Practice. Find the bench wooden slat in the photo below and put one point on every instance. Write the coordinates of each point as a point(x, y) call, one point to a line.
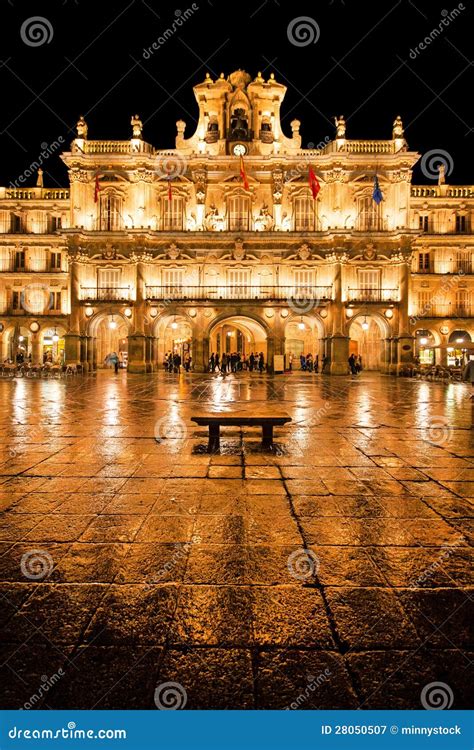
point(225, 419)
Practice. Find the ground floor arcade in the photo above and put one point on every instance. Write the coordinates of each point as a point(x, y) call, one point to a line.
point(142, 339)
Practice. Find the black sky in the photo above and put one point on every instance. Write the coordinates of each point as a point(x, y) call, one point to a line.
point(360, 66)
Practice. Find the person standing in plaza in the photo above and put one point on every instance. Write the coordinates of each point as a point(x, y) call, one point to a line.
point(224, 364)
point(251, 361)
point(468, 374)
point(261, 362)
point(352, 365)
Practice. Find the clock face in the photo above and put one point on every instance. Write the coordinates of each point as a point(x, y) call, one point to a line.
point(239, 149)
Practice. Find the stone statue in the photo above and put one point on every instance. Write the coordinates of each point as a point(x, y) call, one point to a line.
point(191, 223)
point(213, 222)
point(286, 223)
point(264, 221)
point(137, 126)
point(397, 131)
point(81, 128)
point(340, 126)
point(441, 174)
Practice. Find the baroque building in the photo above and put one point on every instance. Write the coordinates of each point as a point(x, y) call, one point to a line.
point(219, 245)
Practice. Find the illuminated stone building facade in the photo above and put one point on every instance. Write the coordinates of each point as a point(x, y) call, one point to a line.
point(152, 250)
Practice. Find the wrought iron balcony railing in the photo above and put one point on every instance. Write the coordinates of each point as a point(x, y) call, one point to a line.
point(105, 294)
point(365, 294)
point(446, 310)
point(320, 294)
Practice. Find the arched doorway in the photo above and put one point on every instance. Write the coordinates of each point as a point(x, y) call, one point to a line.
point(366, 340)
point(110, 334)
point(175, 336)
point(238, 334)
point(457, 353)
point(425, 343)
point(303, 336)
point(17, 344)
point(53, 345)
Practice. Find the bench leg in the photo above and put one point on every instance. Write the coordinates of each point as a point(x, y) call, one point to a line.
point(214, 436)
point(267, 436)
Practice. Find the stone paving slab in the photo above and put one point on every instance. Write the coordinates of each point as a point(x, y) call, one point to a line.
point(335, 572)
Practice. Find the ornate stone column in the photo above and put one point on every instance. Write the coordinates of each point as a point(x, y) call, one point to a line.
point(36, 349)
point(339, 344)
point(72, 339)
point(137, 345)
point(405, 339)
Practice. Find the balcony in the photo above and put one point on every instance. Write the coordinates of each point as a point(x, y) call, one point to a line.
point(446, 310)
point(372, 295)
point(105, 294)
point(320, 294)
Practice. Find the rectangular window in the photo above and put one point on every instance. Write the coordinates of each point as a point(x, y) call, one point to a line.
point(369, 215)
point(238, 283)
point(463, 262)
point(173, 282)
point(304, 214)
point(55, 261)
point(423, 262)
point(54, 223)
point(15, 224)
point(19, 260)
point(16, 300)
point(423, 223)
point(424, 303)
point(110, 217)
point(463, 302)
point(55, 301)
point(369, 284)
point(461, 223)
point(239, 214)
point(173, 214)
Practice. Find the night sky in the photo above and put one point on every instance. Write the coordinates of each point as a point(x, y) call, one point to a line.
point(359, 65)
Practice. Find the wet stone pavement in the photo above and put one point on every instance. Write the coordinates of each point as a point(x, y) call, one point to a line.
point(331, 573)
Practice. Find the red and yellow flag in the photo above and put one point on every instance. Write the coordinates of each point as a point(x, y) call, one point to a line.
point(242, 173)
point(96, 188)
point(313, 183)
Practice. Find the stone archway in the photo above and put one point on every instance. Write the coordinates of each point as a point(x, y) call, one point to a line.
point(241, 334)
point(173, 334)
point(107, 332)
point(304, 335)
point(368, 336)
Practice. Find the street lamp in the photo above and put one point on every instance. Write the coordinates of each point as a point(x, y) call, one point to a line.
point(365, 325)
point(55, 336)
point(112, 324)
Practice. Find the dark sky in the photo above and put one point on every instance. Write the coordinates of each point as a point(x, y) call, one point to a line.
point(360, 66)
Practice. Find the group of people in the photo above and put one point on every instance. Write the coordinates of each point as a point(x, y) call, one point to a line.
point(236, 362)
point(355, 364)
point(113, 360)
point(173, 361)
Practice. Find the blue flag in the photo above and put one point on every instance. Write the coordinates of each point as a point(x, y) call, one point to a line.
point(377, 193)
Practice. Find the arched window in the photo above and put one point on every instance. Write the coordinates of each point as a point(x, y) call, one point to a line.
point(304, 214)
point(110, 217)
point(238, 213)
point(173, 214)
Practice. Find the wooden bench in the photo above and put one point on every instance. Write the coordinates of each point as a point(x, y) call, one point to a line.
point(227, 419)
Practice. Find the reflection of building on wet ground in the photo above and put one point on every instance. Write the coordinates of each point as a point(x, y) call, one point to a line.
point(149, 251)
point(241, 576)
